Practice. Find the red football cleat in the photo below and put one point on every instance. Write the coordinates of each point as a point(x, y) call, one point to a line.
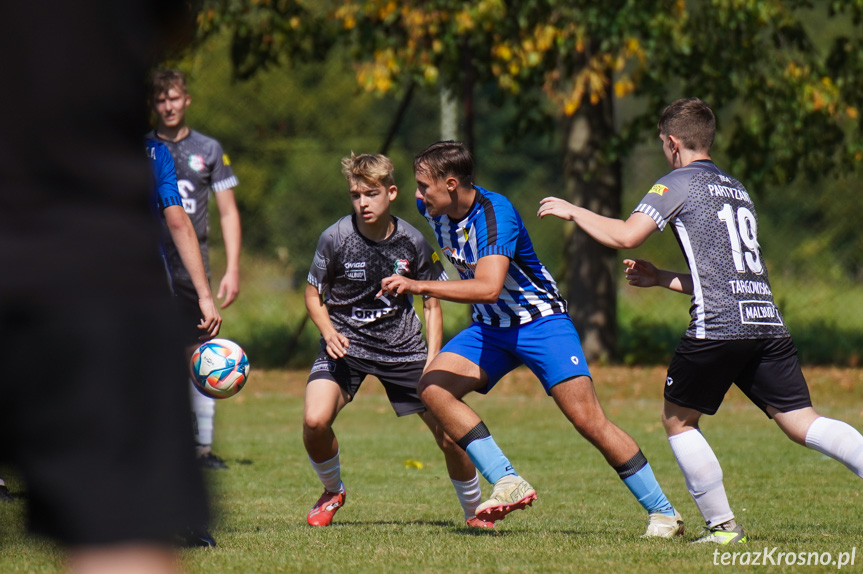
point(325, 508)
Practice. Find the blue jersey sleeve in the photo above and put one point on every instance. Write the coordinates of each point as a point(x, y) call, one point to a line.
point(165, 188)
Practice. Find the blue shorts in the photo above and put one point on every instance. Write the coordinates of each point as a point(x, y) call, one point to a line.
point(549, 346)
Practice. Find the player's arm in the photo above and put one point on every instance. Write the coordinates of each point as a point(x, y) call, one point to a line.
point(485, 287)
point(184, 238)
point(336, 342)
point(641, 273)
point(433, 315)
point(613, 233)
point(229, 216)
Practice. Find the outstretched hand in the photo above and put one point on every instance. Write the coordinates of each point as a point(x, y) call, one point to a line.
point(641, 273)
point(556, 207)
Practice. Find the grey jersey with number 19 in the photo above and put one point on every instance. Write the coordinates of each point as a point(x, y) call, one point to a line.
point(714, 220)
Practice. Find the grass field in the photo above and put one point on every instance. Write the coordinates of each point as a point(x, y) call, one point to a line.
point(400, 518)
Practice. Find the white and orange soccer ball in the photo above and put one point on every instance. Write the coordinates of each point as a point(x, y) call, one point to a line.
point(220, 368)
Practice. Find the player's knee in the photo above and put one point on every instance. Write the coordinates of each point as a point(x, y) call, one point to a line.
point(315, 424)
point(427, 386)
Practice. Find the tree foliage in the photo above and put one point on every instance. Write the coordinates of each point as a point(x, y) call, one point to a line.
point(782, 75)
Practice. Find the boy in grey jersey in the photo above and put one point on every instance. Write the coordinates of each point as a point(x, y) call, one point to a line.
point(202, 166)
point(736, 333)
point(363, 334)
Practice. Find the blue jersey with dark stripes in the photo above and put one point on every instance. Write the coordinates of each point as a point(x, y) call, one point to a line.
point(494, 227)
point(164, 174)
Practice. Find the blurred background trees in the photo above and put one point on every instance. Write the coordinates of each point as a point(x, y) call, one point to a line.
point(555, 98)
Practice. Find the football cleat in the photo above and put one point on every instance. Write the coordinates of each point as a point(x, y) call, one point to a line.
point(664, 526)
point(510, 493)
point(211, 461)
point(722, 535)
point(479, 523)
point(325, 508)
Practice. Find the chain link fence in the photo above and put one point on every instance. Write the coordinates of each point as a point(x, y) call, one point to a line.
point(287, 129)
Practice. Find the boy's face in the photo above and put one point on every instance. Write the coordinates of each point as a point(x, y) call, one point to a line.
point(372, 201)
point(171, 107)
point(437, 195)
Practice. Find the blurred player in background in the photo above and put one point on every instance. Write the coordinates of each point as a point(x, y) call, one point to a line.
point(92, 414)
point(519, 318)
point(736, 334)
point(202, 166)
point(364, 334)
point(181, 235)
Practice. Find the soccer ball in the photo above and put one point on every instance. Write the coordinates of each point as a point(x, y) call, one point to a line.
point(220, 368)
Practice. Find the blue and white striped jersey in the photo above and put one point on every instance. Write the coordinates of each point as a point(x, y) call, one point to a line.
point(494, 227)
point(164, 175)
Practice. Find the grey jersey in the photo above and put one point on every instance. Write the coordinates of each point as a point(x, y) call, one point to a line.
point(201, 166)
point(714, 221)
point(348, 269)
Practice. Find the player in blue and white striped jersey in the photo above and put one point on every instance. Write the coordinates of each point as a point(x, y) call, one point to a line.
point(519, 318)
point(179, 232)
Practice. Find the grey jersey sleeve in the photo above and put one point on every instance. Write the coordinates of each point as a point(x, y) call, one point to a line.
point(429, 267)
point(664, 200)
point(221, 175)
point(322, 270)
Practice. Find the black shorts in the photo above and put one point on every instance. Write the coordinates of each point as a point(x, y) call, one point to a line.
point(95, 417)
point(766, 370)
point(400, 380)
point(186, 301)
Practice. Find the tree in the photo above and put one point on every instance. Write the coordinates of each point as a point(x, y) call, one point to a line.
point(787, 95)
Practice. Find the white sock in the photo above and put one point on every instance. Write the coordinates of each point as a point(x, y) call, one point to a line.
point(203, 411)
point(703, 476)
point(469, 495)
point(330, 473)
point(839, 441)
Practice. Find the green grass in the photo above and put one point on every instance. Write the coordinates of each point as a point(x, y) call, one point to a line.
point(403, 519)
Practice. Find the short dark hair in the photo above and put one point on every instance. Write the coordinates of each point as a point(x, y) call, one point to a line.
point(164, 79)
point(691, 120)
point(446, 158)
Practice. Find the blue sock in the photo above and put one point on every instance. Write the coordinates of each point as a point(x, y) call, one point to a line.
point(488, 459)
point(639, 479)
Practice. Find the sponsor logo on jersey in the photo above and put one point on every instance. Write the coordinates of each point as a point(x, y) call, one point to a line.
point(196, 162)
point(435, 258)
point(369, 315)
point(458, 262)
point(574, 360)
point(186, 189)
point(355, 270)
point(225, 159)
point(669, 381)
point(401, 267)
point(320, 261)
point(658, 189)
point(759, 313)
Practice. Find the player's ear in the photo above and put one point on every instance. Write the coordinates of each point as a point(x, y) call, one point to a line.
point(451, 184)
point(392, 192)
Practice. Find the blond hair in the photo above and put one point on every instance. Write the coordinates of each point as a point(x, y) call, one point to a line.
point(370, 168)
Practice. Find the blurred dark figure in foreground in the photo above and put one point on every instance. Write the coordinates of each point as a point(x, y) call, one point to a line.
point(93, 406)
